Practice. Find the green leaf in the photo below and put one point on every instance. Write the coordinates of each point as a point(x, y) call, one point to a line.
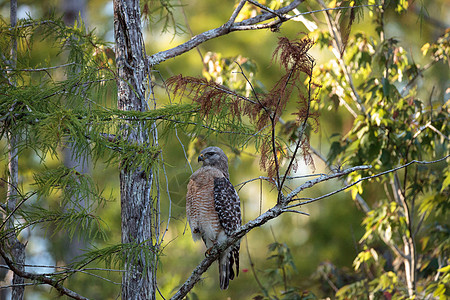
point(445, 269)
point(446, 182)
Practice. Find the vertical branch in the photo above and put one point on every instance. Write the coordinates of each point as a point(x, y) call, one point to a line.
point(301, 131)
point(17, 249)
point(138, 280)
point(409, 245)
point(338, 52)
point(252, 266)
point(274, 150)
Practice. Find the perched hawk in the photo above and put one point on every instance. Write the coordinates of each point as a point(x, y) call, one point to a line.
point(213, 209)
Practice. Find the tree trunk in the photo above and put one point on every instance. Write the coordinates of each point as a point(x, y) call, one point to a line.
point(138, 280)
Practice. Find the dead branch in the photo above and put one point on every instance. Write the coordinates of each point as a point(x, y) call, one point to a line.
point(256, 3)
point(290, 197)
point(301, 131)
point(226, 28)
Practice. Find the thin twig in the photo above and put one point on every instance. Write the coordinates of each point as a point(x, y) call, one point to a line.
point(64, 268)
point(188, 27)
point(17, 206)
point(252, 266)
point(302, 129)
point(42, 69)
point(362, 203)
point(332, 8)
point(19, 284)
point(296, 211)
point(235, 13)
point(274, 148)
point(310, 183)
point(256, 3)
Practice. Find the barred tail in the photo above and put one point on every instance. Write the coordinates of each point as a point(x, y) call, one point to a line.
point(226, 261)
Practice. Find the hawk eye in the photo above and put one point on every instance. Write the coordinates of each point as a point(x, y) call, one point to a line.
point(209, 153)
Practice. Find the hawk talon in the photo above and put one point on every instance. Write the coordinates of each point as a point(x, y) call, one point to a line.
point(208, 252)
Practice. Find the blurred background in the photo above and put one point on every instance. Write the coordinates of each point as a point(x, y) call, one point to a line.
point(295, 248)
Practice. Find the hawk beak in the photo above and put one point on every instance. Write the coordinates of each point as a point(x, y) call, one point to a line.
point(200, 158)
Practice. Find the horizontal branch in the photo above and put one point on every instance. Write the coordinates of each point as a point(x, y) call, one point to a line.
point(333, 8)
point(40, 278)
point(17, 285)
point(310, 200)
point(64, 268)
point(362, 203)
point(322, 178)
point(273, 179)
point(248, 24)
point(226, 28)
point(43, 69)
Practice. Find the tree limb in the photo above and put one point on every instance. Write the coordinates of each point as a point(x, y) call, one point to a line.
point(311, 182)
point(223, 30)
point(40, 278)
point(322, 178)
point(362, 203)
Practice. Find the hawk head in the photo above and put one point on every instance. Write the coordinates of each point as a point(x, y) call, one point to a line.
point(214, 157)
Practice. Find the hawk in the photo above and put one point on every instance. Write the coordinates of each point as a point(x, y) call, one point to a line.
point(213, 209)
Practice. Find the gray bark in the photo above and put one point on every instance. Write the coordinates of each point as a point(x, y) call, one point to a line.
point(254, 23)
point(138, 280)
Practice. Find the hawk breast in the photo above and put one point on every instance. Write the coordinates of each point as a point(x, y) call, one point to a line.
point(200, 207)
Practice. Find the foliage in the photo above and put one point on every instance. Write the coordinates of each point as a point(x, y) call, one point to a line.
point(393, 125)
point(261, 109)
point(279, 278)
point(162, 12)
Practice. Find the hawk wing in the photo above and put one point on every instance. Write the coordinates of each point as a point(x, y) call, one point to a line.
point(228, 208)
point(227, 204)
